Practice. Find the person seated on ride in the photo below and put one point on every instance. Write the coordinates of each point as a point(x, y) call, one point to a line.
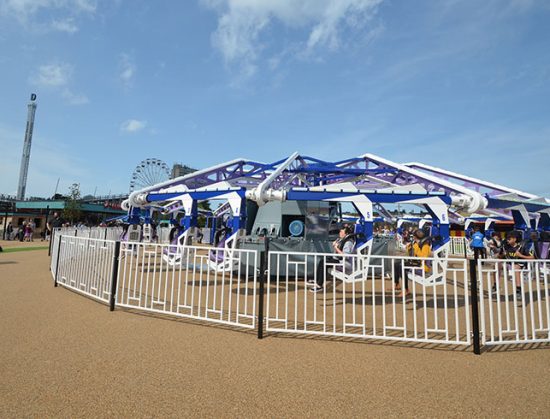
point(419, 248)
point(495, 245)
point(220, 237)
point(124, 234)
point(343, 245)
point(172, 240)
point(543, 246)
point(513, 248)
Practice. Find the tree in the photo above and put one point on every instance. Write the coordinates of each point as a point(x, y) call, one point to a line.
point(204, 205)
point(73, 209)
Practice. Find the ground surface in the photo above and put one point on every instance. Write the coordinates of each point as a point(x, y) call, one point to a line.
point(63, 355)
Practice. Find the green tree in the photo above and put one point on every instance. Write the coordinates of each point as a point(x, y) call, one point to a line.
point(204, 205)
point(73, 209)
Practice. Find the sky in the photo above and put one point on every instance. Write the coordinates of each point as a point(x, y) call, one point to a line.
point(461, 85)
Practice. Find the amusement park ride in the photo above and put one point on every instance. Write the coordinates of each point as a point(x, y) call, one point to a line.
point(298, 201)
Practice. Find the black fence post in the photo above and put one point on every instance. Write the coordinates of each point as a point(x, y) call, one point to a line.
point(51, 240)
point(475, 308)
point(264, 255)
point(57, 261)
point(114, 277)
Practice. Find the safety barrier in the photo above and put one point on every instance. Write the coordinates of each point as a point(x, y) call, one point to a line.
point(105, 233)
point(85, 265)
point(163, 234)
point(359, 298)
point(460, 246)
point(514, 301)
point(217, 285)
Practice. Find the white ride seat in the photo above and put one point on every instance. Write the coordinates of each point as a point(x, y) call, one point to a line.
point(349, 275)
point(226, 258)
point(353, 268)
point(425, 279)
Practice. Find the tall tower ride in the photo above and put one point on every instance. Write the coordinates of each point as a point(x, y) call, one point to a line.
point(25, 159)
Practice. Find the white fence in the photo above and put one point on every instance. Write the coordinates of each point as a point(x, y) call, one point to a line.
point(514, 301)
point(85, 265)
point(105, 233)
point(359, 298)
point(54, 247)
point(460, 246)
point(214, 285)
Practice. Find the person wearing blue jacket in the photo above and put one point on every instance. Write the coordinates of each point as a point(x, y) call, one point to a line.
point(478, 244)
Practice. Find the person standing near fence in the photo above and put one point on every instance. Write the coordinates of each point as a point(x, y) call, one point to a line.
point(9, 231)
point(54, 223)
point(478, 244)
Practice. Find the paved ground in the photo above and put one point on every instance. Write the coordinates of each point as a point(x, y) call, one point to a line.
point(64, 355)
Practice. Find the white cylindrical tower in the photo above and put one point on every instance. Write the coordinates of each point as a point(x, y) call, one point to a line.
point(25, 159)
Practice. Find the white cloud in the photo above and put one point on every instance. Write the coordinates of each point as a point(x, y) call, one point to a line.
point(74, 98)
point(127, 69)
point(132, 126)
point(57, 77)
point(242, 22)
point(65, 25)
point(25, 10)
point(52, 75)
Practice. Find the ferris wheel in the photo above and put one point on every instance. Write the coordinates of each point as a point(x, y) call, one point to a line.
point(148, 173)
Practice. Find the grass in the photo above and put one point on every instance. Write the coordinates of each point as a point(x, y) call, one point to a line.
point(23, 249)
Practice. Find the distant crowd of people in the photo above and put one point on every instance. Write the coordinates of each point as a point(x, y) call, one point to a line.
point(24, 233)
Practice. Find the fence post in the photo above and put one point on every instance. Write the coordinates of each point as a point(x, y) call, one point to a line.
point(114, 277)
point(51, 238)
point(264, 255)
point(57, 261)
point(474, 303)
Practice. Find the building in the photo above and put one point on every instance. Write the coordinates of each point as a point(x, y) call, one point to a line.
point(39, 211)
point(181, 170)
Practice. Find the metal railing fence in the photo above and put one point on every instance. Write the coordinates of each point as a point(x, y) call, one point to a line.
point(460, 246)
point(105, 233)
point(54, 250)
point(217, 285)
point(359, 298)
point(358, 295)
point(85, 265)
point(514, 301)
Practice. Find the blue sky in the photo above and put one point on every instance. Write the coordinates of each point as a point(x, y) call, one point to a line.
point(463, 85)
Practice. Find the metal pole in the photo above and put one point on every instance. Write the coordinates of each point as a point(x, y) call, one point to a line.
point(46, 224)
point(57, 262)
point(264, 255)
point(114, 277)
point(5, 224)
point(51, 240)
point(474, 303)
